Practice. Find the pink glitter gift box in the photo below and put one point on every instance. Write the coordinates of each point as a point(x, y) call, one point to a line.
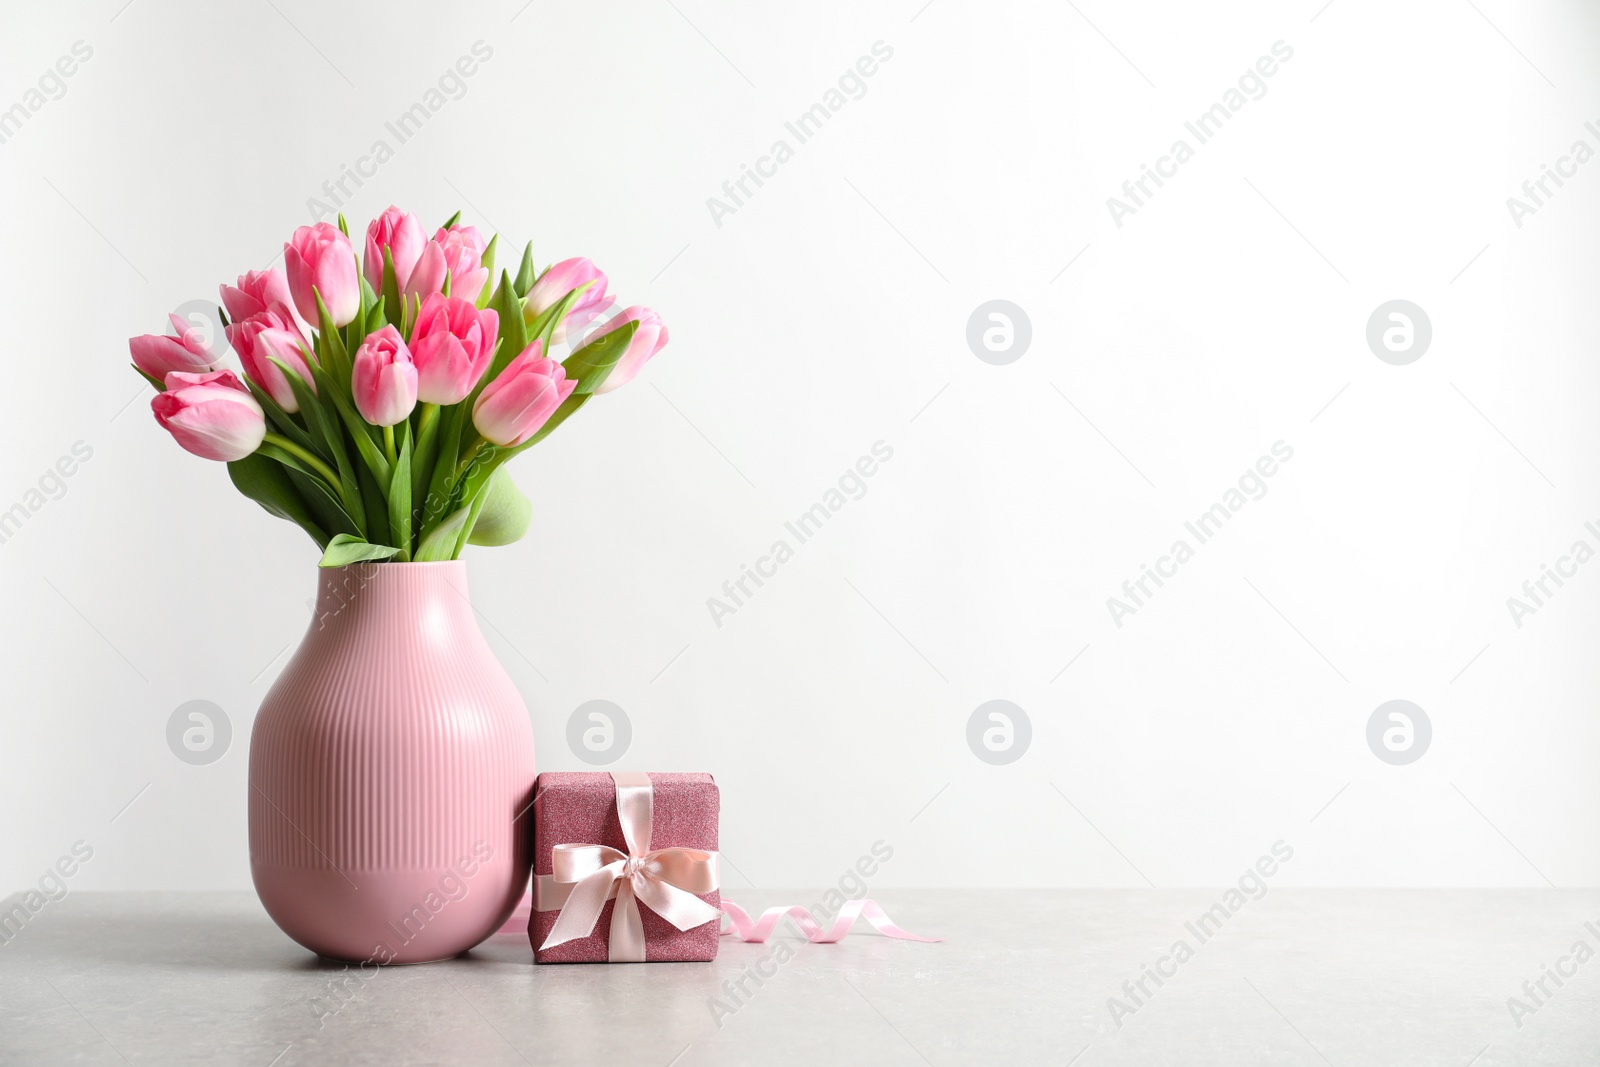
point(676, 814)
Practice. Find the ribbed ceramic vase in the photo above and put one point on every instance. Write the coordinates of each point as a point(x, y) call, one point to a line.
point(391, 769)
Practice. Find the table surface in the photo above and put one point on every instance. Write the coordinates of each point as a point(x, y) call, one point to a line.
point(1325, 977)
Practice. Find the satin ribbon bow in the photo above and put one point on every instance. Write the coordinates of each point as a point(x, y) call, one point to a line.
point(665, 880)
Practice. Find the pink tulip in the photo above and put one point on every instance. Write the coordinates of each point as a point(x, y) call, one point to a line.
point(556, 282)
point(451, 345)
point(458, 250)
point(514, 406)
point(257, 291)
point(319, 259)
point(212, 415)
point(159, 355)
point(647, 340)
point(267, 336)
point(402, 235)
point(428, 277)
point(384, 380)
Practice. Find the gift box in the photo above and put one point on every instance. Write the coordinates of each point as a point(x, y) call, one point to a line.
point(625, 867)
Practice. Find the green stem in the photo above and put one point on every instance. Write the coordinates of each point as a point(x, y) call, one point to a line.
point(477, 446)
point(426, 420)
point(474, 509)
point(435, 507)
point(309, 460)
point(422, 455)
point(388, 445)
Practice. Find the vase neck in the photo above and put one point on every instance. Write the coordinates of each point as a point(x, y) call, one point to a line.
point(363, 591)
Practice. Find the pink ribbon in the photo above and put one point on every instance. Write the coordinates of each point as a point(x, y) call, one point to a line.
point(665, 880)
point(760, 929)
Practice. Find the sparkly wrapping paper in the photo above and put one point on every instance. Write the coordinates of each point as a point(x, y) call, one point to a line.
point(580, 807)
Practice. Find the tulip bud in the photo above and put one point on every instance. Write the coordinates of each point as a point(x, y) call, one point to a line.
point(403, 236)
point(555, 283)
point(514, 406)
point(269, 336)
point(212, 415)
point(463, 248)
point(427, 277)
point(451, 345)
point(257, 291)
point(647, 340)
point(159, 355)
point(384, 380)
point(319, 259)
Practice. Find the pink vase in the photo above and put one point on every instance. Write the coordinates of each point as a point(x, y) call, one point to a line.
point(391, 769)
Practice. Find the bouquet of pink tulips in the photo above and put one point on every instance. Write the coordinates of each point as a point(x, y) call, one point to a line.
point(381, 398)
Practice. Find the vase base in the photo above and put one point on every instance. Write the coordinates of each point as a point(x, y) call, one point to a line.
point(395, 917)
point(397, 963)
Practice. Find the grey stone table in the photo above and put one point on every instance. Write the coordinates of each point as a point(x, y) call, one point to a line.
point(1329, 977)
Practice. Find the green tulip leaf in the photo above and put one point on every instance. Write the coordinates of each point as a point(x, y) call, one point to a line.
point(593, 363)
point(400, 496)
point(506, 512)
point(360, 430)
point(322, 500)
point(487, 262)
point(344, 550)
point(513, 334)
point(437, 500)
point(281, 420)
point(374, 501)
point(323, 435)
point(392, 308)
point(335, 357)
point(268, 484)
point(440, 545)
point(305, 474)
point(525, 273)
point(356, 331)
point(426, 436)
point(544, 324)
point(323, 424)
point(473, 510)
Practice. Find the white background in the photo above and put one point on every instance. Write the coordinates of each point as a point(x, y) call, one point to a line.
point(828, 313)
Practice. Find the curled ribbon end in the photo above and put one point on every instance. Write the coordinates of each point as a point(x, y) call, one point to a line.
point(760, 930)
